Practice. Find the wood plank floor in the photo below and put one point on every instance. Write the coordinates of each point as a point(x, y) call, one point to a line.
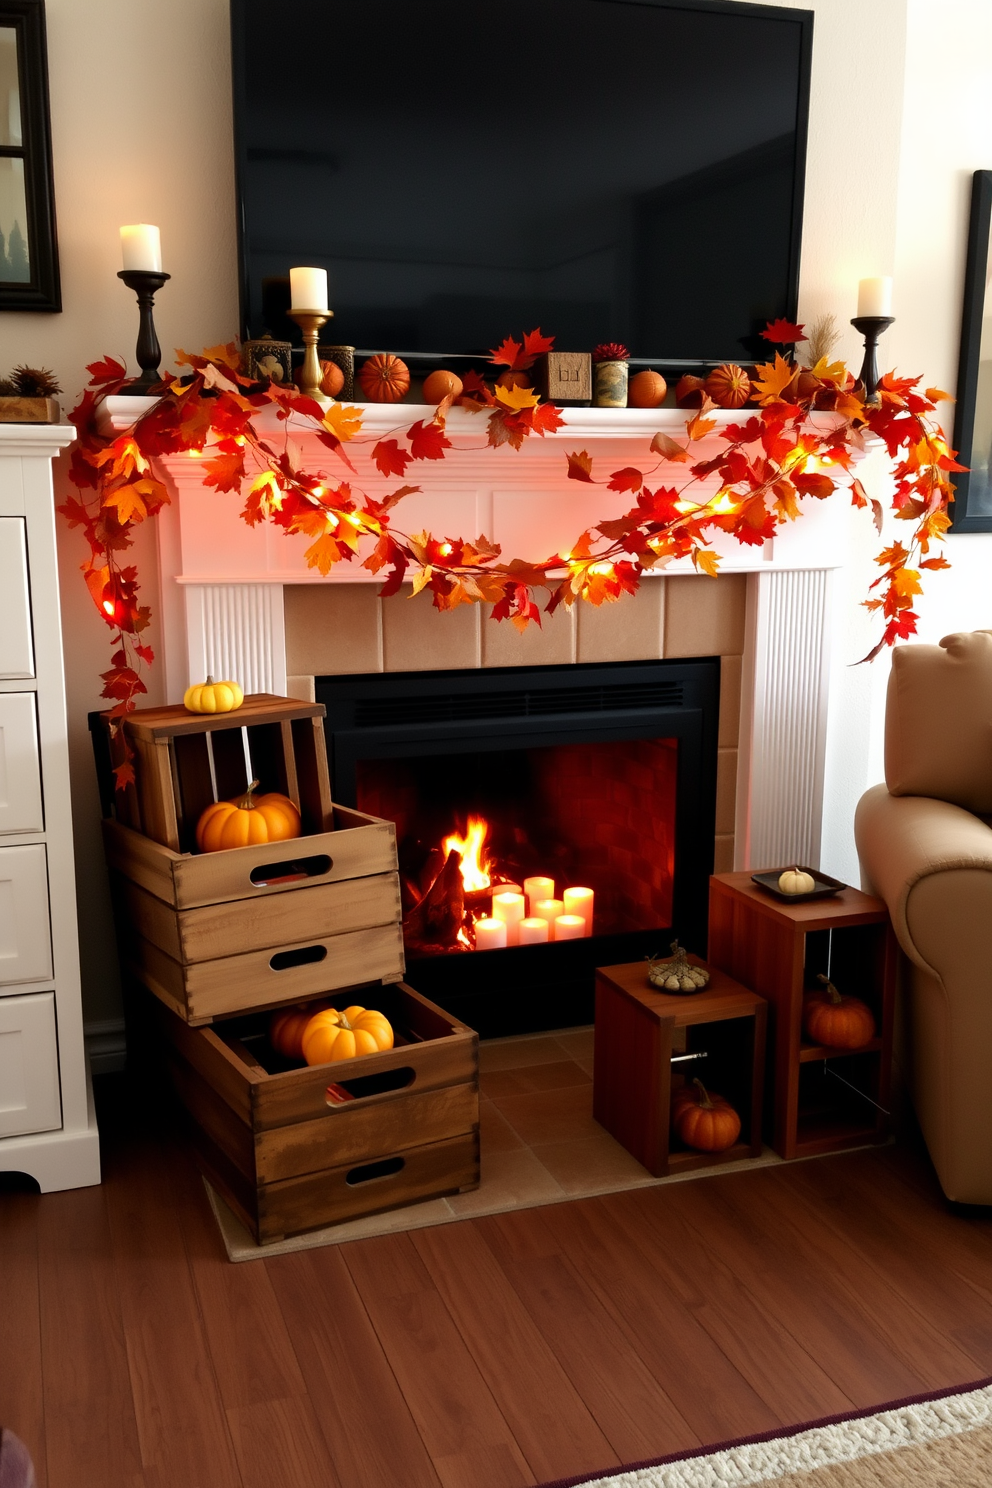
point(486, 1354)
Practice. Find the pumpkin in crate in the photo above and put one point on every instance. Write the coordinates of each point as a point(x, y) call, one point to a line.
point(287, 1026)
point(836, 1021)
point(332, 1034)
point(213, 697)
point(704, 1121)
point(246, 821)
point(384, 378)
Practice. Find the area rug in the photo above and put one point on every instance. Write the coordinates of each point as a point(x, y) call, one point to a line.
point(938, 1440)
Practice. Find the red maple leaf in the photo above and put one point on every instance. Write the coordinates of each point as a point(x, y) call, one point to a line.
point(545, 419)
point(505, 355)
point(427, 441)
point(518, 357)
point(536, 345)
point(390, 459)
point(225, 472)
point(627, 479)
point(785, 332)
point(109, 370)
point(580, 466)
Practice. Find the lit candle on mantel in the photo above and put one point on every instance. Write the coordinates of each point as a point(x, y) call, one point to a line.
point(534, 931)
point(511, 909)
point(537, 889)
point(490, 935)
point(549, 909)
point(141, 247)
point(570, 927)
point(580, 902)
point(875, 297)
point(308, 289)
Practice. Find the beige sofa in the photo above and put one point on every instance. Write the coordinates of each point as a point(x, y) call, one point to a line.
point(925, 845)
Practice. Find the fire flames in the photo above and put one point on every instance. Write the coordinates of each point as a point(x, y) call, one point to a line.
point(472, 849)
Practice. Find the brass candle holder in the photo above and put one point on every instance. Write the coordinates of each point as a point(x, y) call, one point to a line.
point(310, 322)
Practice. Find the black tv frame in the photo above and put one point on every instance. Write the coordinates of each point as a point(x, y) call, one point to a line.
point(424, 359)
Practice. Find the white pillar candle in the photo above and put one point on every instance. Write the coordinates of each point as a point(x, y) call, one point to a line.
point(537, 889)
point(549, 909)
point(580, 902)
point(534, 931)
point(490, 935)
point(875, 297)
point(570, 927)
point(308, 289)
point(141, 247)
point(511, 909)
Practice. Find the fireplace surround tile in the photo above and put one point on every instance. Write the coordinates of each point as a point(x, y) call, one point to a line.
point(731, 669)
point(418, 638)
point(726, 790)
point(552, 643)
point(703, 616)
point(332, 628)
point(631, 630)
point(723, 853)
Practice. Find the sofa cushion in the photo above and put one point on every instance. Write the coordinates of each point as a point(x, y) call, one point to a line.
point(938, 721)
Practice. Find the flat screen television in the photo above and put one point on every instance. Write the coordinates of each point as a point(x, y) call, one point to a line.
point(608, 170)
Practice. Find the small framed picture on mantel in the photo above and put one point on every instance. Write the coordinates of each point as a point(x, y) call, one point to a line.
point(29, 264)
point(972, 507)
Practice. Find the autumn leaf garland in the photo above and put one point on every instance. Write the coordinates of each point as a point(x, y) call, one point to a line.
point(768, 460)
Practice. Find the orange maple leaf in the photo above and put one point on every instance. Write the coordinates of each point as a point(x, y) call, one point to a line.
point(580, 466)
point(775, 378)
point(668, 449)
point(517, 397)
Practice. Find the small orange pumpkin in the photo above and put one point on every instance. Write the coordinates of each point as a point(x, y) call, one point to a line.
point(835, 1021)
point(646, 389)
point(442, 384)
point(704, 1121)
point(331, 379)
point(286, 1028)
point(729, 386)
point(247, 820)
point(384, 378)
point(332, 1034)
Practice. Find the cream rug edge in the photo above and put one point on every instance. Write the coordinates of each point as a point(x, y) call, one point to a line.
point(815, 1448)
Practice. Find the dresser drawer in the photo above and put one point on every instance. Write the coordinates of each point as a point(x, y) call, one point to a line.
point(20, 767)
point(29, 1065)
point(25, 933)
point(16, 649)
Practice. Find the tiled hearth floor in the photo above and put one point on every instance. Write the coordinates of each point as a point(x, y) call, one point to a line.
point(539, 1145)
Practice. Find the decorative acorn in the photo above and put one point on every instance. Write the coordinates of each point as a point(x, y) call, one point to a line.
point(676, 973)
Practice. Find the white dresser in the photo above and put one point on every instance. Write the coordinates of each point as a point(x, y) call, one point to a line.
point(47, 1126)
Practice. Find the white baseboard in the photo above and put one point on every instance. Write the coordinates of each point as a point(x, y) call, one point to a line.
point(106, 1045)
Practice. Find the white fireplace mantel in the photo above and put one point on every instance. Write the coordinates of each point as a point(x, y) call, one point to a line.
point(222, 582)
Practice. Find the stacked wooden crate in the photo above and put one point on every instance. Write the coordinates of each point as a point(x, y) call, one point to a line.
point(217, 936)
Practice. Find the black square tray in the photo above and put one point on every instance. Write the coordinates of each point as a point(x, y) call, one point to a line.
point(826, 887)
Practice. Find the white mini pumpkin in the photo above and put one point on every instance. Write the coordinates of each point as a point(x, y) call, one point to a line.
point(795, 881)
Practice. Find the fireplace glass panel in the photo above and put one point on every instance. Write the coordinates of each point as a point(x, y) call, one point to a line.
point(593, 815)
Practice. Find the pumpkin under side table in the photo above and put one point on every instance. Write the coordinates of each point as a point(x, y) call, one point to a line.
point(820, 1099)
point(639, 1029)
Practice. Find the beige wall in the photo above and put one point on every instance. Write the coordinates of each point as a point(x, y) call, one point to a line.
point(141, 125)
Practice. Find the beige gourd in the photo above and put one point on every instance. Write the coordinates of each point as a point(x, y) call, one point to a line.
point(795, 881)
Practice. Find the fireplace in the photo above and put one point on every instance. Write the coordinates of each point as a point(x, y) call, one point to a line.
point(597, 776)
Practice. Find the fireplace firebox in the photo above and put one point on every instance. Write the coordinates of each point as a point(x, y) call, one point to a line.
point(589, 776)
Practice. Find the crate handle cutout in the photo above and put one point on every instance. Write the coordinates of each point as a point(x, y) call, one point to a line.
point(368, 1172)
point(343, 1091)
point(267, 874)
point(302, 956)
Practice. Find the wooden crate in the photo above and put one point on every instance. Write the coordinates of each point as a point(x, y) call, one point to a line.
point(173, 750)
point(294, 1149)
point(638, 1030)
point(213, 934)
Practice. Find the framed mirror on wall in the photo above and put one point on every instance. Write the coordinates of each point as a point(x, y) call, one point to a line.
point(29, 264)
point(972, 508)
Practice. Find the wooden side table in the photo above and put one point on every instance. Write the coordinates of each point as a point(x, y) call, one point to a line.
point(637, 1030)
point(821, 1100)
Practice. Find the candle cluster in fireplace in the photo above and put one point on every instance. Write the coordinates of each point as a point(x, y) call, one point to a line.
point(470, 905)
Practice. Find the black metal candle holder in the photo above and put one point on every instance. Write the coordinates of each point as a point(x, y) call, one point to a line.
point(145, 283)
point(871, 327)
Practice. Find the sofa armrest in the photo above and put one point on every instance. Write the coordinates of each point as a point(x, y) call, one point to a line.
point(904, 840)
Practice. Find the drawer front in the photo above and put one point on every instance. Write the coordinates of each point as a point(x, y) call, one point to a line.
point(16, 648)
point(25, 932)
point(29, 1065)
point(20, 766)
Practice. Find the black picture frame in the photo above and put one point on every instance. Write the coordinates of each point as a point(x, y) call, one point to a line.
point(42, 290)
point(971, 510)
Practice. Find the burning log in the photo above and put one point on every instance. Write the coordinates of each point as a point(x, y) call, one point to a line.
point(434, 923)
